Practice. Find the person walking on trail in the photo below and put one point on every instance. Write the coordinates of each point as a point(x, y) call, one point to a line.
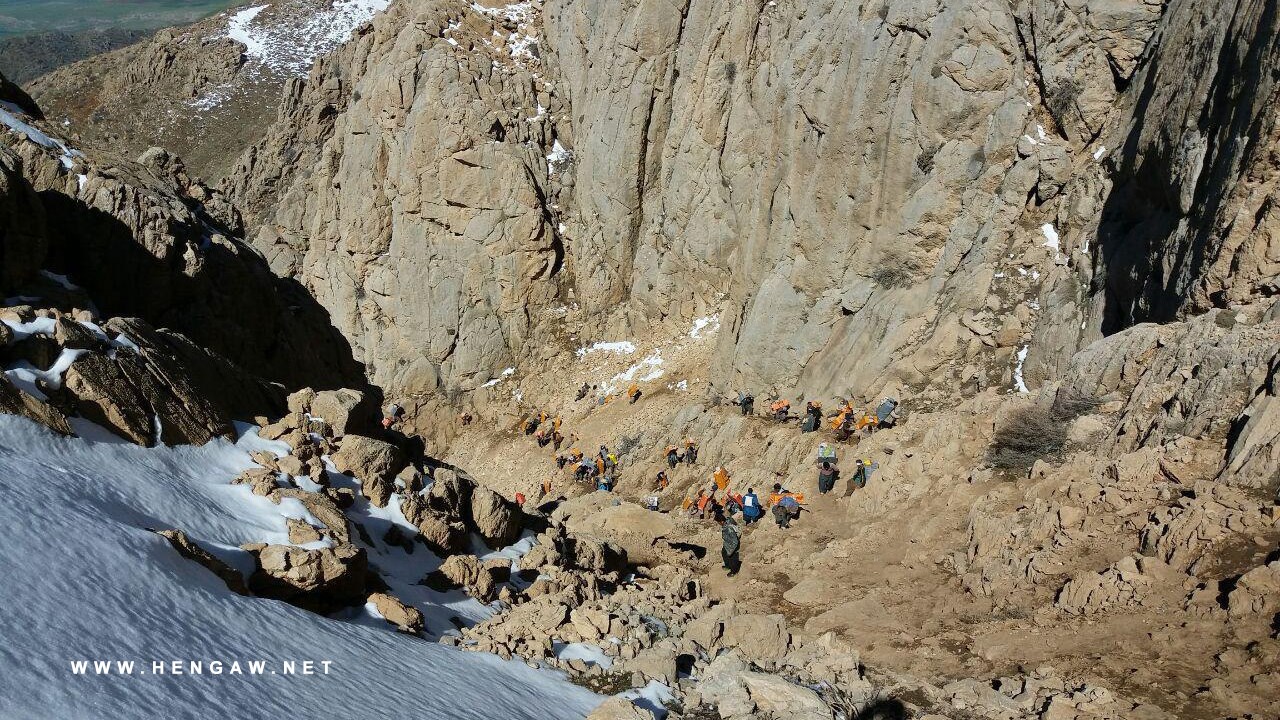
point(582, 391)
point(826, 478)
point(812, 417)
point(673, 456)
point(633, 393)
point(662, 480)
point(721, 477)
point(786, 510)
point(780, 410)
point(861, 471)
point(746, 403)
point(751, 510)
point(731, 544)
point(690, 451)
point(887, 413)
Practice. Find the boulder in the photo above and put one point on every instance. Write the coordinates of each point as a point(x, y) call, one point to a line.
point(616, 708)
point(450, 494)
point(74, 336)
point(301, 532)
point(300, 401)
point(467, 572)
point(191, 551)
point(407, 619)
point(495, 518)
point(373, 462)
point(443, 533)
point(322, 581)
point(758, 637)
point(739, 692)
point(637, 530)
point(345, 411)
point(322, 507)
point(15, 401)
point(105, 396)
point(585, 552)
point(260, 480)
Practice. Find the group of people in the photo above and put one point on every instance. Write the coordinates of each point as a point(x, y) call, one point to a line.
point(674, 457)
point(846, 421)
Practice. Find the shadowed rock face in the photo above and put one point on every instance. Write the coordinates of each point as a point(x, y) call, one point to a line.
point(863, 190)
point(144, 239)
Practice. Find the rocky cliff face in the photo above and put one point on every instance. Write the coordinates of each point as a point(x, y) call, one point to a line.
point(143, 239)
point(872, 195)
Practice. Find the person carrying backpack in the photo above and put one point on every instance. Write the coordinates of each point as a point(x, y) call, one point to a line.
point(826, 478)
point(690, 451)
point(751, 509)
point(731, 544)
point(673, 456)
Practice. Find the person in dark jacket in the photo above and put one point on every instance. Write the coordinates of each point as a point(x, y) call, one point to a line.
point(859, 478)
point(826, 478)
point(731, 539)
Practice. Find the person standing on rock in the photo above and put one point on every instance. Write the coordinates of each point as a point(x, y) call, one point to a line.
point(731, 539)
point(690, 451)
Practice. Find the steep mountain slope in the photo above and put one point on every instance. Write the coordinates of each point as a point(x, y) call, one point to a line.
point(88, 581)
point(204, 91)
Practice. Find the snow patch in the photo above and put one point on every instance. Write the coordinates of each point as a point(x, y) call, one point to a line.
point(1050, 236)
point(708, 325)
point(622, 347)
point(590, 654)
point(1018, 383)
point(504, 374)
point(9, 113)
point(290, 45)
point(557, 157)
point(77, 510)
point(653, 697)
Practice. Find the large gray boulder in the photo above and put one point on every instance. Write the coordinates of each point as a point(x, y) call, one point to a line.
point(375, 463)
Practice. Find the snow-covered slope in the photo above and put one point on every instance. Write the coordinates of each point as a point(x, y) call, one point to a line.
point(84, 579)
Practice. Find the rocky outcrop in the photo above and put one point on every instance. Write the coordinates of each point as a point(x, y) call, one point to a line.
point(15, 401)
point(322, 581)
point(407, 619)
point(22, 220)
point(191, 551)
point(373, 462)
point(177, 240)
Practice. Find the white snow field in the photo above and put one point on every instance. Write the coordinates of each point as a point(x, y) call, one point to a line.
point(83, 579)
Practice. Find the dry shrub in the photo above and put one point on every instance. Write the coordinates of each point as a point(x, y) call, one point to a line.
point(1026, 435)
point(896, 268)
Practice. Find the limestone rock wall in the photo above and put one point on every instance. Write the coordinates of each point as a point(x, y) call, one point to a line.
point(875, 196)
